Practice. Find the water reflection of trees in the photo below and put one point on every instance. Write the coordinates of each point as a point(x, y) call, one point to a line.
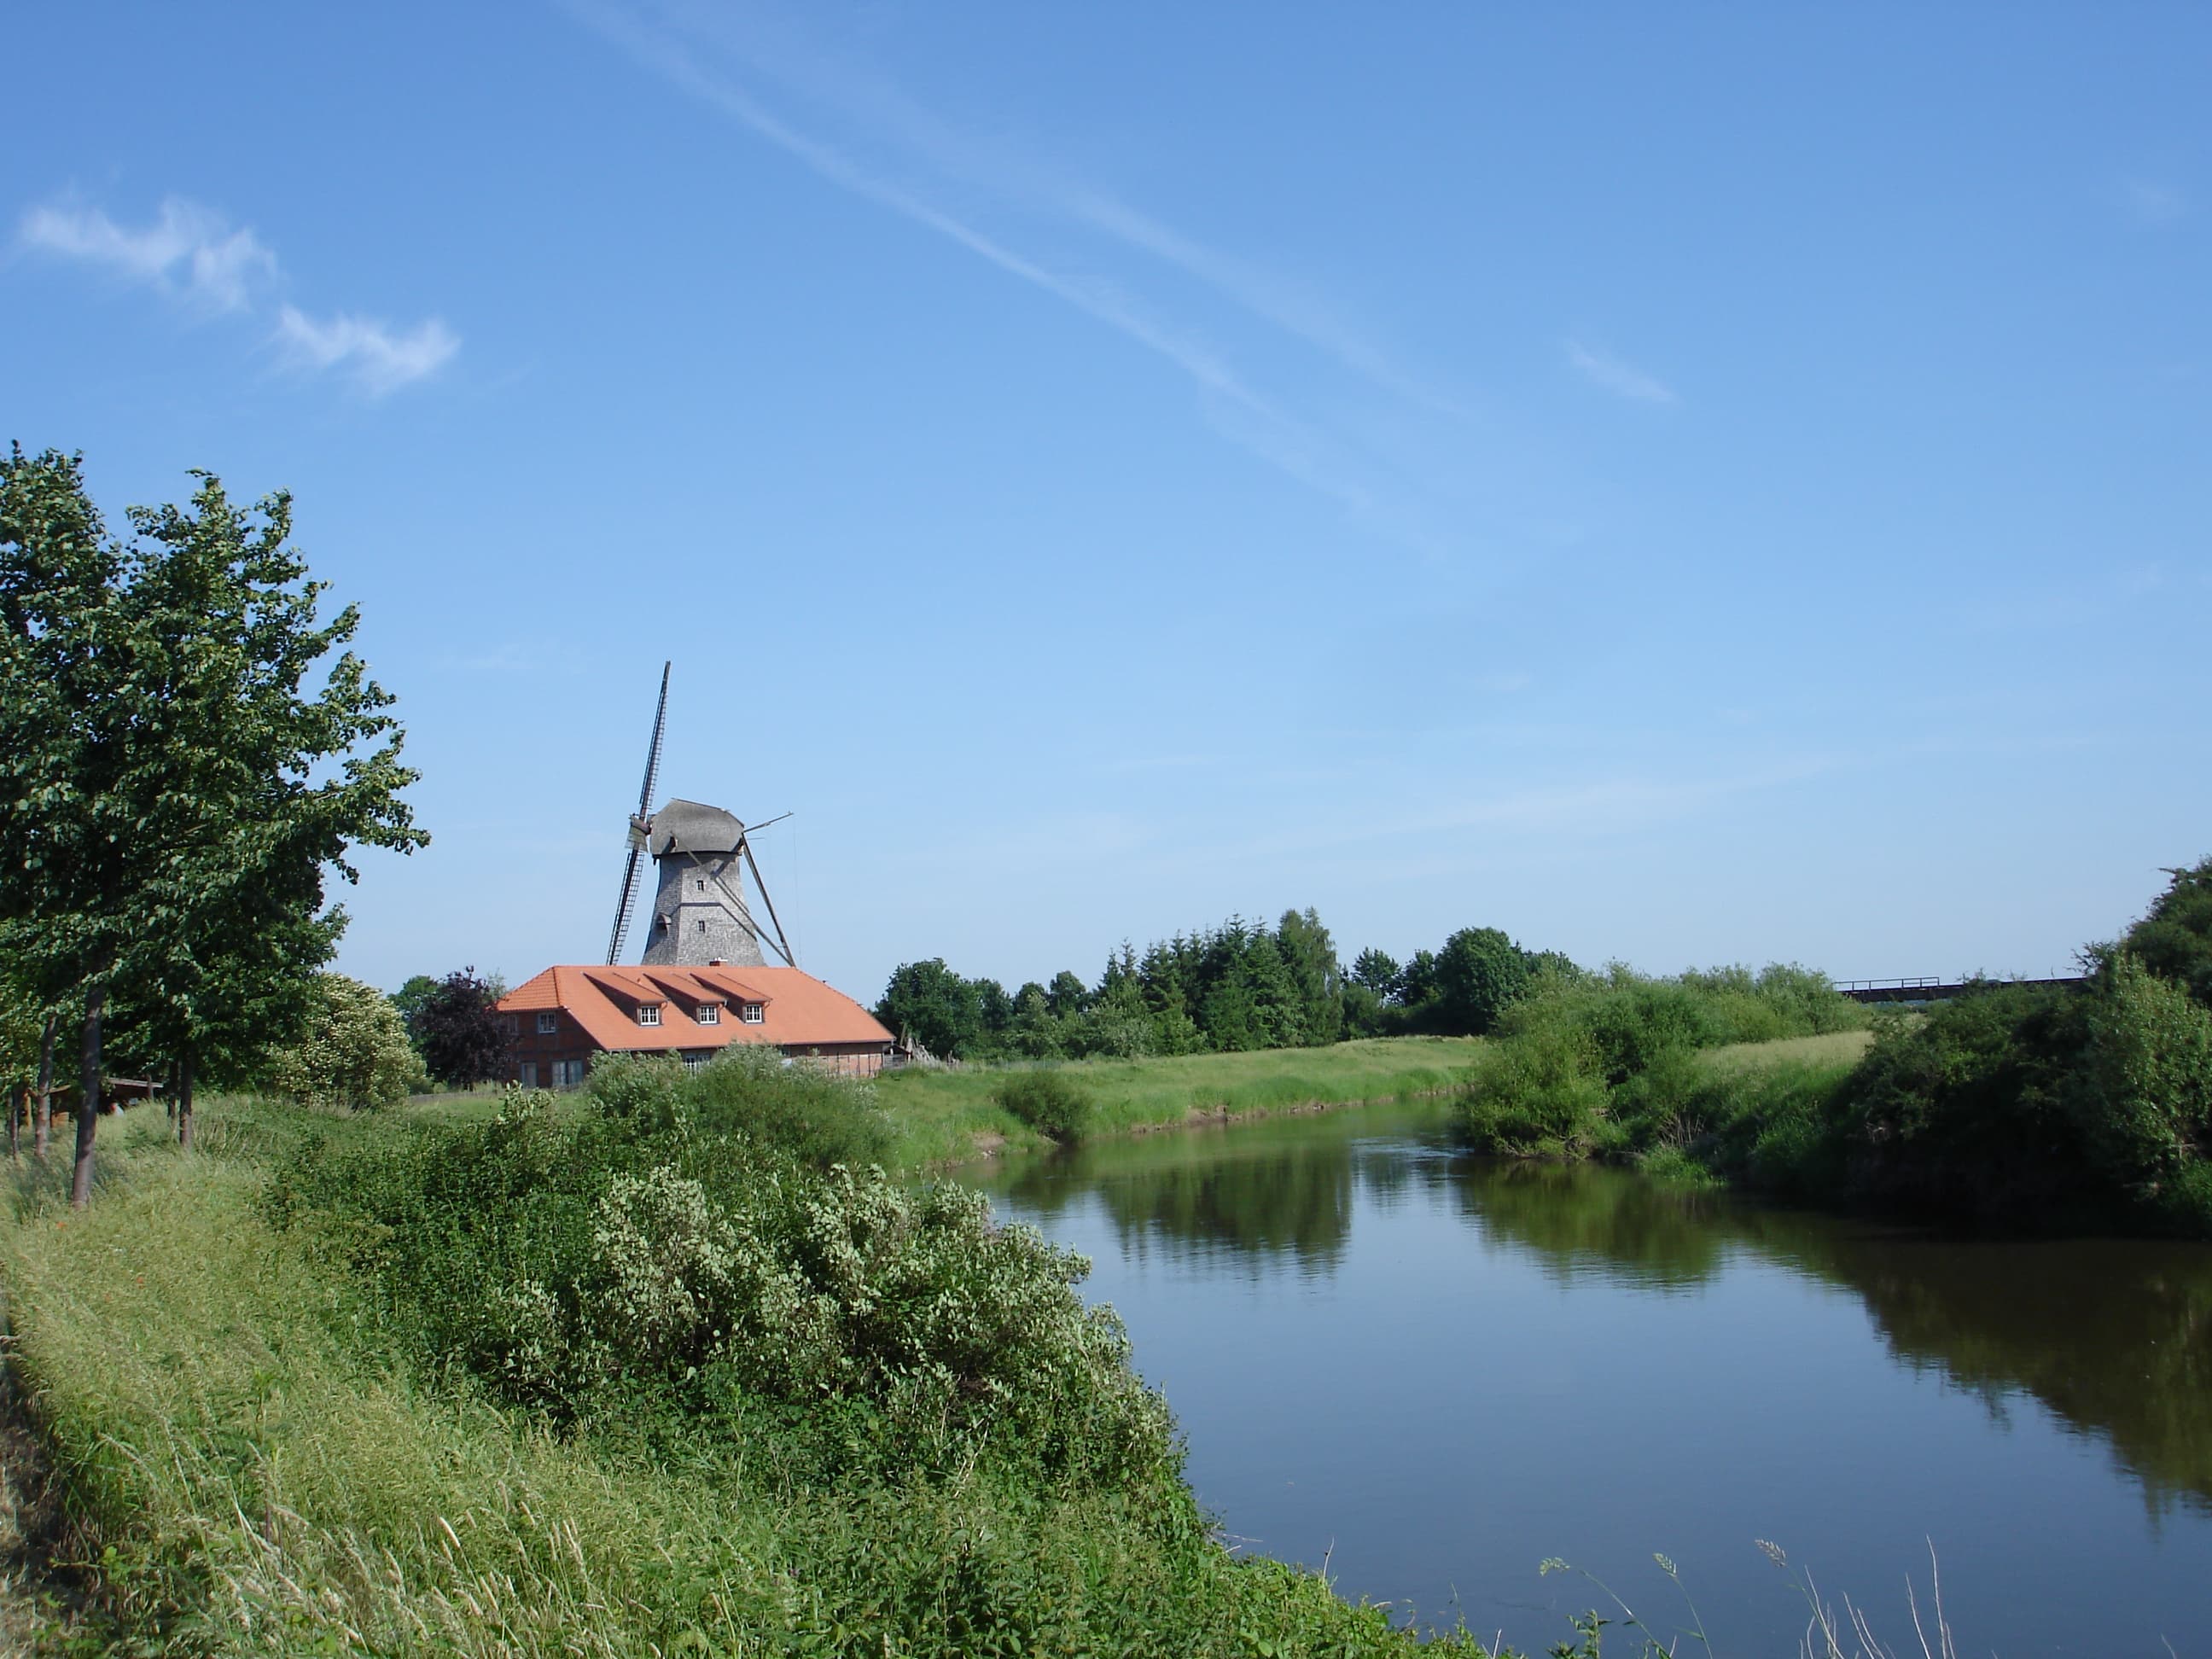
point(1266, 1199)
point(2113, 1338)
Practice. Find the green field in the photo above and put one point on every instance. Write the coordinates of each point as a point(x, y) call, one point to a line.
point(945, 1117)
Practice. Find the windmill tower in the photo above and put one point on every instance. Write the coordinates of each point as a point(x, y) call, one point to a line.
point(700, 854)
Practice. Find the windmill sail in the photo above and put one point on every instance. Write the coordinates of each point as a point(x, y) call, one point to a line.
point(637, 825)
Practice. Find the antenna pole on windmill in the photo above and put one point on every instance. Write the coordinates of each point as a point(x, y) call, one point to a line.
point(638, 824)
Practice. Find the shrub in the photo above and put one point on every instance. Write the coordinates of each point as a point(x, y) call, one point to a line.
point(2174, 938)
point(644, 1087)
point(791, 1107)
point(1964, 1107)
point(355, 1052)
point(704, 1273)
point(1537, 1093)
point(1050, 1102)
point(2144, 1099)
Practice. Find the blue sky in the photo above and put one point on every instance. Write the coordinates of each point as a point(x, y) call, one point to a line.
point(1686, 484)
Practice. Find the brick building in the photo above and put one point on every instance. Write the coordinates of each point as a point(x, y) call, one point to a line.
point(565, 1018)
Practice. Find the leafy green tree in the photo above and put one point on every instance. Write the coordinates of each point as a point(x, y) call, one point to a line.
point(1118, 1023)
point(995, 1009)
point(1364, 1013)
point(1376, 971)
point(2174, 939)
point(1480, 972)
point(409, 1000)
point(355, 1053)
point(1067, 996)
point(1417, 982)
point(174, 788)
point(939, 1009)
point(1309, 957)
point(1174, 1032)
point(1034, 1033)
point(1254, 1004)
point(22, 1026)
point(2146, 1094)
point(65, 727)
point(460, 1037)
point(268, 778)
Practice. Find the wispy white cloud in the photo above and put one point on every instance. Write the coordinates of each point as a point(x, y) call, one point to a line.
point(1231, 404)
point(380, 358)
point(188, 251)
point(2151, 202)
point(1624, 380)
point(193, 253)
point(1015, 172)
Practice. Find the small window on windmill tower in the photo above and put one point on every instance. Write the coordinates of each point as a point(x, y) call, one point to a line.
point(703, 924)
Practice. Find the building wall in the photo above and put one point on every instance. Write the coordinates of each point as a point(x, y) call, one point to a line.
point(567, 1042)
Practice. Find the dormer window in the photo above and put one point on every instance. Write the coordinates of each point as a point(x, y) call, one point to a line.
point(749, 1012)
point(649, 1013)
point(710, 1013)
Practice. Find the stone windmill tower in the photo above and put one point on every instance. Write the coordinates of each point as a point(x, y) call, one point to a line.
point(700, 911)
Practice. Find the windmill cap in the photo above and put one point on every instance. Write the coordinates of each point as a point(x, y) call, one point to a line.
point(686, 826)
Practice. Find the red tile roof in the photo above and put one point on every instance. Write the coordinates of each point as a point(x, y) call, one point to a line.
point(796, 1010)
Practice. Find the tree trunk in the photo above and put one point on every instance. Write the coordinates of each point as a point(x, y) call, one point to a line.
point(44, 1132)
point(185, 1099)
point(16, 1103)
point(88, 1105)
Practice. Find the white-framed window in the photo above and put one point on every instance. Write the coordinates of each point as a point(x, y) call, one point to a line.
point(511, 1024)
point(529, 1074)
point(749, 1012)
point(567, 1073)
point(693, 1062)
point(548, 1023)
point(710, 1013)
point(649, 1013)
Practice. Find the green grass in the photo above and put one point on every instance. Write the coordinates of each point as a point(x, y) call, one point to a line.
point(945, 1117)
point(252, 1467)
point(1828, 1048)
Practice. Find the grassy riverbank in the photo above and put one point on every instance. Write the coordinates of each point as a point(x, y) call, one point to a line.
point(942, 1117)
point(2080, 1107)
point(630, 1379)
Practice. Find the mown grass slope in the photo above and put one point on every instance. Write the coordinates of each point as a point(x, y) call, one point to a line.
point(941, 1117)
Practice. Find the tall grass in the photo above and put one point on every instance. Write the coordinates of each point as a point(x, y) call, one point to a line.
point(942, 1117)
point(259, 1463)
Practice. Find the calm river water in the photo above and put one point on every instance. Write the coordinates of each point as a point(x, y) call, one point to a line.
point(1439, 1371)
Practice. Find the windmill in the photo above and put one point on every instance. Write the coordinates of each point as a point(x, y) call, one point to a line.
point(701, 854)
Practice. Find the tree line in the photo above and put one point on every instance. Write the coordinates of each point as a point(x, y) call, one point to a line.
point(1237, 986)
point(187, 748)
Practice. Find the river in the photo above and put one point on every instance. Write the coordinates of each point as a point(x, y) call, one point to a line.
point(1434, 1371)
